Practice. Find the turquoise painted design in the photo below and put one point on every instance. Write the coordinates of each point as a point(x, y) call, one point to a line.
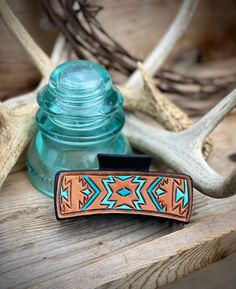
point(94, 192)
point(106, 201)
point(64, 194)
point(124, 192)
point(138, 193)
point(150, 189)
point(160, 192)
point(94, 196)
point(182, 195)
point(157, 195)
point(86, 192)
point(123, 207)
point(123, 177)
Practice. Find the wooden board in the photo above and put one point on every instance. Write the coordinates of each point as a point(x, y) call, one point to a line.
point(115, 251)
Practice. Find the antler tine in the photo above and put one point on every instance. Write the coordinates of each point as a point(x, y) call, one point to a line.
point(169, 146)
point(206, 124)
point(162, 50)
point(59, 55)
point(152, 102)
point(40, 59)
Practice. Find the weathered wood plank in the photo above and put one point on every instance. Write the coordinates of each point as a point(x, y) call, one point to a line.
point(187, 259)
point(49, 249)
point(36, 250)
point(159, 261)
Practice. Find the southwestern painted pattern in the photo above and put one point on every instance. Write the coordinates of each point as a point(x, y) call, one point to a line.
point(85, 193)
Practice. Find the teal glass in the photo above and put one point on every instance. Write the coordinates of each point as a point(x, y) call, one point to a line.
point(80, 115)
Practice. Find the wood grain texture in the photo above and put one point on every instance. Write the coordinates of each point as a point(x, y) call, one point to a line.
point(218, 275)
point(37, 251)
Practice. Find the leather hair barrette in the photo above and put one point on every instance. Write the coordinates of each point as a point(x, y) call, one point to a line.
point(123, 185)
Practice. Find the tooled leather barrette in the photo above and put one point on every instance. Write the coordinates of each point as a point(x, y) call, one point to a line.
point(123, 185)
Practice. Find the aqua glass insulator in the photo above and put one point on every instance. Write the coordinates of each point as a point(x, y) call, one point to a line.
point(80, 115)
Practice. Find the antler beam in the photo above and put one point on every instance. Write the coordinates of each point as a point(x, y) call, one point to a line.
point(182, 151)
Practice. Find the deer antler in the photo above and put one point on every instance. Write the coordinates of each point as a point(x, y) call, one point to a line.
point(149, 100)
point(17, 127)
point(182, 150)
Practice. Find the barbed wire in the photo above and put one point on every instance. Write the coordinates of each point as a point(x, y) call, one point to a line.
point(77, 20)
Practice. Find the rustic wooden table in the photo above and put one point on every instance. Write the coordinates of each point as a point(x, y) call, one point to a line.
point(37, 251)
